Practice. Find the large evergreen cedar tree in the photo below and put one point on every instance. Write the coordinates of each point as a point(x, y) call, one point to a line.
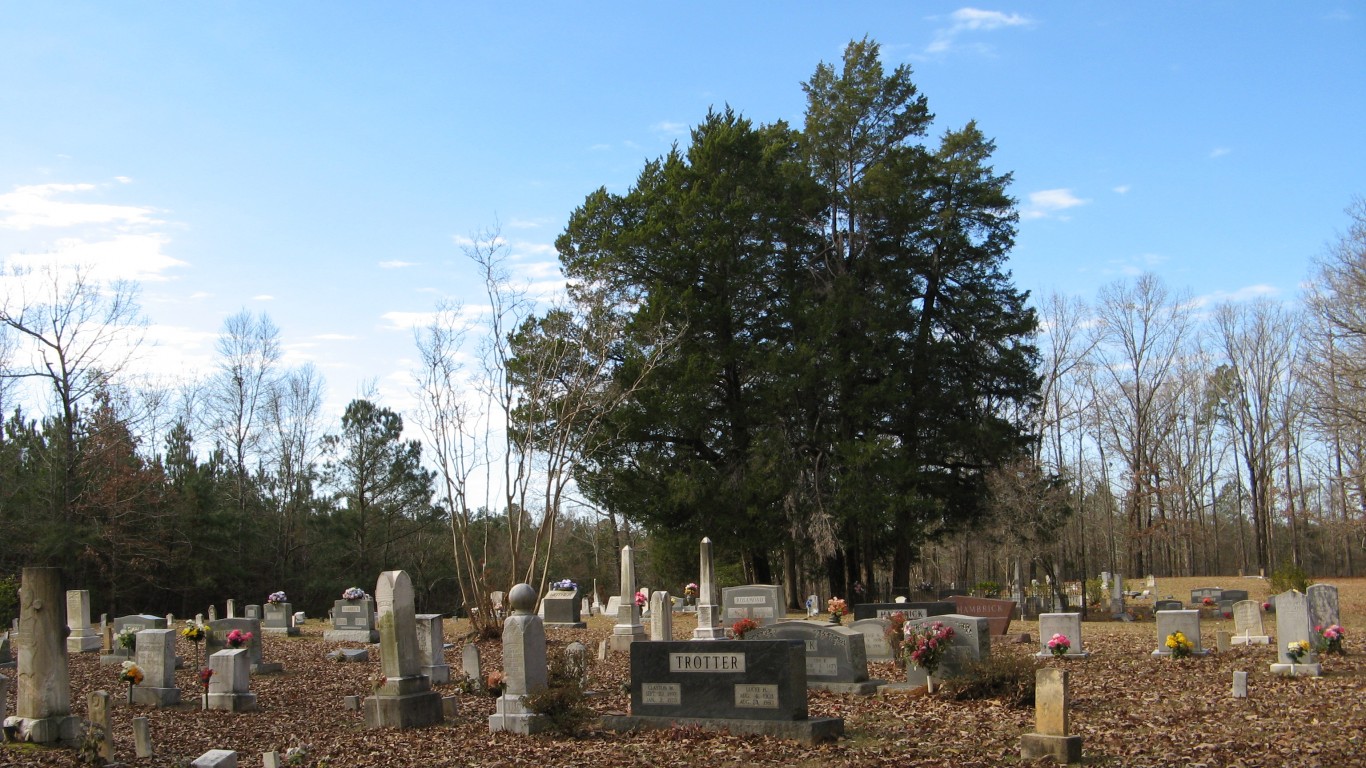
point(852, 357)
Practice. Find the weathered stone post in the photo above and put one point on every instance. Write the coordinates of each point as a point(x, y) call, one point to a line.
point(628, 628)
point(97, 708)
point(44, 692)
point(1051, 720)
point(524, 665)
point(404, 699)
point(661, 617)
point(82, 638)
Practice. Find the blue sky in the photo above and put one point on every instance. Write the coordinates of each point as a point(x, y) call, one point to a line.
point(320, 161)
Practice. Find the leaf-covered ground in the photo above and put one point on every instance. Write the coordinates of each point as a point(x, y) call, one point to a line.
point(1130, 709)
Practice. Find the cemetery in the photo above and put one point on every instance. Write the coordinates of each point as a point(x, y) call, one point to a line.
point(1111, 699)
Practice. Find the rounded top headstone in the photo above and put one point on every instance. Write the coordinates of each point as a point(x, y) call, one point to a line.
point(522, 598)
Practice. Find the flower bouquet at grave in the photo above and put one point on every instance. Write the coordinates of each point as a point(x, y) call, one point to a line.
point(837, 608)
point(353, 593)
point(1059, 645)
point(238, 639)
point(743, 627)
point(565, 585)
point(131, 673)
point(205, 675)
point(1180, 645)
point(690, 592)
point(642, 599)
point(277, 597)
point(495, 683)
point(1297, 650)
point(1330, 639)
point(194, 632)
point(925, 647)
point(128, 639)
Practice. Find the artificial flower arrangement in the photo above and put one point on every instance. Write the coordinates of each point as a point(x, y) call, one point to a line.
point(565, 585)
point(1330, 638)
point(1208, 602)
point(277, 597)
point(743, 627)
point(239, 639)
point(1059, 645)
point(128, 639)
point(193, 631)
point(1180, 645)
point(353, 593)
point(495, 683)
point(642, 599)
point(205, 674)
point(130, 673)
point(837, 608)
point(1297, 650)
point(925, 646)
point(690, 590)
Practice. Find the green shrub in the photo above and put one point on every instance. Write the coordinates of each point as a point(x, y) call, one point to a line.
point(1007, 677)
point(988, 588)
point(562, 700)
point(1094, 592)
point(9, 600)
point(1289, 576)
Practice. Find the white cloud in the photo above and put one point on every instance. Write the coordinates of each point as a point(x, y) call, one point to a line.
point(38, 205)
point(966, 20)
point(670, 128)
point(136, 257)
point(335, 337)
point(263, 297)
point(1246, 293)
point(1047, 203)
point(599, 147)
point(1219, 152)
point(1122, 189)
point(396, 264)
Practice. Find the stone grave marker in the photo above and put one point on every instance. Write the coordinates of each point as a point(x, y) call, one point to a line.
point(43, 699)
point(431, 643)
point(997, 612)
point(142, 737)
point(1051, 720)
point(216, 639)
point(1187, 622)
point(1323, 605)
point(585, 607)
point(469, 663)
point(524, 662)
point(628, 628)
point(216, 758)
point(253, 612)
point(613, 607)
point(971, 642)
point(1117, 595)
point(1199, 594)
point(1068, 624)
point(661, 617)
point(231, 612)
point(97, 711)
point(499, 600)
point(230, 686)
point(1168, 605)
point(875, 645)
point(279, 619)
point(213, 613)
point(1247, 624)
point(6, 653)
point(709, 614)
point(82, 637)
point(835, 656)
point(1240, 685)
point(406, 698)
point(1292, 624)
point(743, 686)
point(563, 610)
point(761, 603)
point(353, 621)
point(912, 609)
point(156, 657)
point(4, 698)
point(576, 659)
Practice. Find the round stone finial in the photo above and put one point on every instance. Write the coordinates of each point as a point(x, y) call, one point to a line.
point(522, 598)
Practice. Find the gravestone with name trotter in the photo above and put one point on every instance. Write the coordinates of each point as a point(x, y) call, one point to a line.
point(760, 603)
point(661, 617)
point(1068, 624)
point(431, 648)
point(709, 614)
point(230, 685)
point(971, 642)
point(156, 657)
point(43, 700)
point(628, 628)
point(875, 645)
point(1187, 622)
point(524, 664)
point(1247, 624)
point(1292, 625)
point(912, 609)
point(562, 609)
point(742, 686)
point(353, 621)
point(82, 637)
point(1323, 605)
point(835, 657)
point(997, 612)
point(405, 699)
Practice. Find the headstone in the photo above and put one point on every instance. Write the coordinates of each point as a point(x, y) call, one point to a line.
point(270, 760)
point(708, 612)
point(743, 686)
point(971, 642)
point(350, 655)
point(498, 599)
point(1240, 685)
point(405, 699)
point(1232, 595)
point(562, 609)
point(352, 703)
point(450, 707)
point(156, 657)
point(213, 613)
point(524, 661)
point(997, 612)
point(1152, 581)
point(813, 605)
point(1199, 594)
point(1117, 595)
point(912, 609)
point(1051, 720)
point(279, 619)
point(216, 639)
point(230, 686)
point(232, 610)
point(576, 660)
point(1187, 622)
point(602, 650)
point(298, 619)
point(43, 700)
point(1323, 605)
point(661, 617)
point(97, 711)
point(875, 645)
point(469, 663)
point(142, 737)
point(1292, 625)
point(585, 607)
point(761, 603)
point(835, 656)
point(628, 628)
point(82, 637)
point(613, 607)
point(4, 698)
point(353, 621)
point(1168, 605)
point(1068, 624)
point(253, 612)
point(1247, 624)
point(216, 758)
point(431, 640)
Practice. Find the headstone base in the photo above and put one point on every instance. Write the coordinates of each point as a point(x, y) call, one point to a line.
point(621, 639)
point(865, 688)
point(511, 715)
point(566, 625)
point(1251, 640)
point(232, 702)
point(405, 710)
point(267, 668)
point(351, 655)
point(440, 674)
point(115, 657)
point(216, 758)
point(709, 633)
point(1167, 652)
point(87, 644)
point(1297, 670)
point(64, 731)
point(1064, 749)
point(156, 697)
point(288, 631)
point(351, 636)
point(810, 732)
point(1082, 655)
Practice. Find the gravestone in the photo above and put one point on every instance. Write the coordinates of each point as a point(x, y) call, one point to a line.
point(661, 617)
point(97, 712)
point(997, 612)
point(708, 612)
point(405, 699)
point(1292, 625)
point(350, 656)
point(971, 641)
point(875, 645)
point(1232, 595)
point(835, 656)
point(1051, 720)
point(1187, 622)
point(498, 599)
point(82, 637)
point(742, 686)
point(1240, 685)
point(628, 628)
point(576, 663)
point(43, 700)
point(585, 608)
point(1068, 624)
point(213, 613)
point(4, 698)
point(1117, 595)
point(1168, 605)
point(469, 663)
point(353, 621)
point(562, 609)
point(813, 605)
point(1199, 594)
point(230, 685)
point(253, 612)
point(142, 738)
point(6, 650)
point(279, 619)
point(1247, 624)
point(231, 612)
point(431, 643)
point(613, 607)
point(1323, 605)
point(156, 657)
point(912, 609)
point(134, 623)
point(216, 639)
point(524, 662)
point(216, 758)
point(760, 603)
